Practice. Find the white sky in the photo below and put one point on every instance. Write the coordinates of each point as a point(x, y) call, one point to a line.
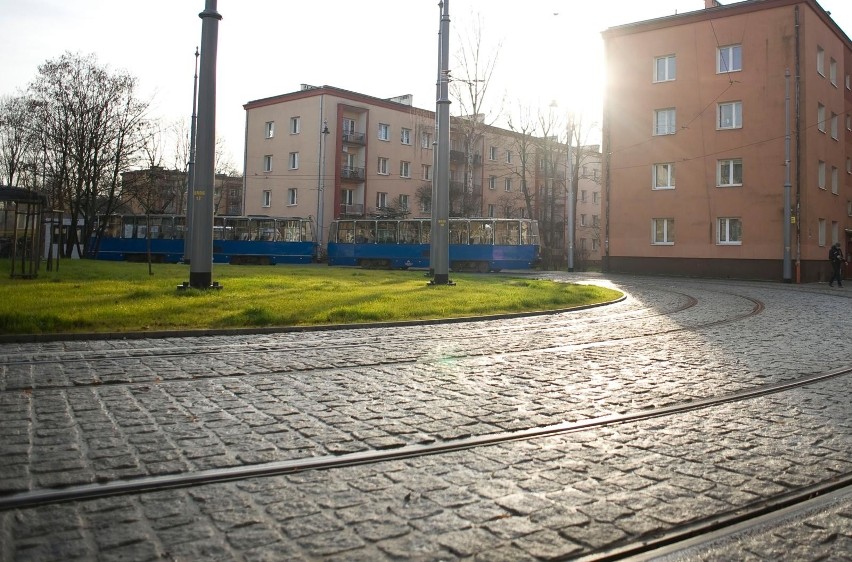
point(551, 50)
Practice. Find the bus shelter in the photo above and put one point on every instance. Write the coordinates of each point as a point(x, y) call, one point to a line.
point(21, 220)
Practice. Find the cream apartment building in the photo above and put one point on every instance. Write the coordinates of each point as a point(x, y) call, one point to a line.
point(694, 134)
point(329, 153)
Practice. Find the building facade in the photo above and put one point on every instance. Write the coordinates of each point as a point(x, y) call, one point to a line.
point(694, 131)
point(163, 192)
point(329, 153)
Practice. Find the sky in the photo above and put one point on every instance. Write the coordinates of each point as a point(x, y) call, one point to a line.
point(546, 51)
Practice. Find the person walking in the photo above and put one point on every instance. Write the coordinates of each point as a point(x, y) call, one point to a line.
point(835, 256)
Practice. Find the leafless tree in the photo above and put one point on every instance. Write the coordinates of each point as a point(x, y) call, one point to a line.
point(17, 139)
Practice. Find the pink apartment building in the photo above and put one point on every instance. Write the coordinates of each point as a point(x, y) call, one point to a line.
point(329, 153)
point(694, 141)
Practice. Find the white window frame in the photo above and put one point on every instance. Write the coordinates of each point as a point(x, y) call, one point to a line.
point(266, 200)
point(492, 153)
point(821, 117)
point(492, 182)
point(295, 125)
point(427, 171)
point(267, 163)
point(849, 165)
point(347, 197)
point(835, 180)
point(834, 124)
point(665, 121)
point(582, 219)
point(293, 161)
point(384, 132)
point(403, 201)
point(404, 169)
point(821, 232)
point(667, 232)
point(669, 69)
point(820, 62)
point(491, 210)
point(381, 199)
point(507, 184)
point(382, 169)
point(835, 232)
point(726, 56)
point(662, 171)
point(269, 129)
point(405, 136)
point(508, 157)
point(426, 140)
point(724, 232)
point(832, 72)
point(821, 174)
point(292, 196)
point(732, 164)
point(729, 115)
point(849, 82)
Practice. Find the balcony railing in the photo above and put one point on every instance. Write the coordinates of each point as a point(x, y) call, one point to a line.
point(351, 173)
point(355, 210)
point(352, 137)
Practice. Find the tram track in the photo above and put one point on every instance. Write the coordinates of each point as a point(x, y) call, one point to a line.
point(148, 484)
point(315, 346)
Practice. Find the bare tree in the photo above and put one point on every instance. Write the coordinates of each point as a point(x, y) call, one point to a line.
point(469, 88)
point(91, 122)
point(16, 138)
point(578, 132)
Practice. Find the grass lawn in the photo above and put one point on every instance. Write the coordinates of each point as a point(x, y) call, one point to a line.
point(101, 296)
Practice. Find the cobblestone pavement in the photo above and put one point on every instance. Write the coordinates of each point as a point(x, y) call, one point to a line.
point(81, 412)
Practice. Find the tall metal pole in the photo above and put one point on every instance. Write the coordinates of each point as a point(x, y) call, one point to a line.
point(441, 203)
point(201, 265)
point(571, 199)
point(436, 164)
point(190, 169)
point(321, 186)
point(788, 266)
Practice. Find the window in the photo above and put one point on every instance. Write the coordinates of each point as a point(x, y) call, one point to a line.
point(835, 180)
point(582, 196)
point(834, 125)
point(582, 219)
point(292, 198)
point(347, 197)
point(664, 68)
point(835, 231)
point(664, 121)
point(821, 232)
point(492, 183)
point(295, 125)
point(508, 184)
point(508, 157)
point(832, 71)
point(427, 172)
point(491, 210)
point(405, 136)
point(662, 232)
point(821, 174)
point(425, 140)
point(293, 161)
point(730, 115)
point(849, 165)
point(405, 169)
point(384, 132)
point(270, 129)
point(729, 59)
point(729, 231)
point(821, 117)
point(492, 153)
point(267, 163)
point(596, 197)
point(383, 166)
point(426, 206)
point(848, 122)
point(403, 202)
point(849, 208)
point(729, 172)
point(267, 198)
point(596, 221)
point(381, 200)
point(664, 176)
point(848, 82)
point(820, 60)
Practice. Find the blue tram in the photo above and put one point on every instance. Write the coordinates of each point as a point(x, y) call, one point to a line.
point(236, 240)
point(482, 244)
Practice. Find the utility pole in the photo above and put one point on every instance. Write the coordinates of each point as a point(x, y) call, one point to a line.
point(569, 179)
point(441, 184)
point(788, 266)
point(190, 170)
point(321, 186)
point(201, 264)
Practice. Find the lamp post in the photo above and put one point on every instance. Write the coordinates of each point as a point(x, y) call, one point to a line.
point(190, 169)
point(440, 238)
point(321, 187)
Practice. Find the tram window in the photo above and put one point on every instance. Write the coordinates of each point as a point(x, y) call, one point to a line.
point(481, 232)
point(238, 229)
point(458, 232)
point(346, 232)
point(180, 228)
point(386, 232)
point(289, 231)
point(365, 232)
point(409, 232)
point(501, 234)
point(427, 232)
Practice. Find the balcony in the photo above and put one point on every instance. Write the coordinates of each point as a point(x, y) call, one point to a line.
point(354, 210)
point(351, 173)
point(460, 157)
point(351, 137)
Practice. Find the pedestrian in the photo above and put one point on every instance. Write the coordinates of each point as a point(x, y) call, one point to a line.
point(835, 256)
